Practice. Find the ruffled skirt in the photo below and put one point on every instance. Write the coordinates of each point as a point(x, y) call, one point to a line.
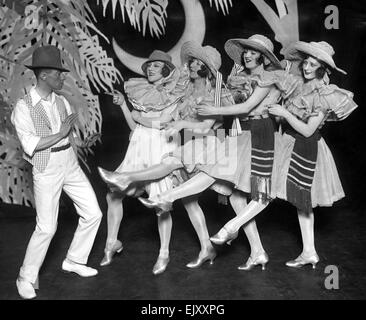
point(146, 148)
point(326, 187)
point(233, 166)
point(199, 153)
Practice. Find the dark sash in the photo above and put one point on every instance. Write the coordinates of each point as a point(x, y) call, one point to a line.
point(302, 169)
point(262, 153)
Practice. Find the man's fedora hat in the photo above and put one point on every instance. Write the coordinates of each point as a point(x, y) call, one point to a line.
point(48, 57)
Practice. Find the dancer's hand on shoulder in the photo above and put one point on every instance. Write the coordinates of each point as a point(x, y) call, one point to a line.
point(205, 110)
point(277, 110)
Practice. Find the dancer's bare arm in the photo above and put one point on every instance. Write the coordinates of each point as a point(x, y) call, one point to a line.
point(242, 108)
point(119, 100)
point(201, 127)
point(306, 129)
point(151, 122)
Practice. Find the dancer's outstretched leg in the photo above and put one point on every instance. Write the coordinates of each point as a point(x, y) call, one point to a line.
point(122, 180)
point(198, 183)
point(308, 255)
point(228, 231)
point(198, 221)
point(114, 218)
point(165, 224)
point(258, 255)
point(195, 185)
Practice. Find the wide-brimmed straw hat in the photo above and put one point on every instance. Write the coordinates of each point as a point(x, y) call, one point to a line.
point(207, 54)
point(158, 55)
point(322, 51)
point(235, 48)
point(48, 57)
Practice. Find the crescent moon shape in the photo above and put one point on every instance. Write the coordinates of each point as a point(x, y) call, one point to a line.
point(194, 30)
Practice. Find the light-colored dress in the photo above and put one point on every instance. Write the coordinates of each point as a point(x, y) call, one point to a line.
point(148, 145)
point(308, 100)
point(202, 149)
point(234, 164)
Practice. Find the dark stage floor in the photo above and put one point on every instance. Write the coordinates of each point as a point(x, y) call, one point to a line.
point(340, 240)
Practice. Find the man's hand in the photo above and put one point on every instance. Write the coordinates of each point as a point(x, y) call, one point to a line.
point(88, 142)
point(68, 124)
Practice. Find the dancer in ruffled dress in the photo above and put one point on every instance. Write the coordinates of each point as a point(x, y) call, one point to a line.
point(304, 171)
point(153, 101)
point(237, 162)
point(201, 66)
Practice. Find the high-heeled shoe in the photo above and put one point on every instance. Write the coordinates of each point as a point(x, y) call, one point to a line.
point(235, 235)
point(301, 261)
point(160, 204)
point(160, 265)
point(262, 259)
point(109, 253)
point(118, 180)
point(224, 236)
point(36, 283)
point(209, 256)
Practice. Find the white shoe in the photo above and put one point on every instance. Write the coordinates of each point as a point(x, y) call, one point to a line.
point(25, 289)
point(80, 269)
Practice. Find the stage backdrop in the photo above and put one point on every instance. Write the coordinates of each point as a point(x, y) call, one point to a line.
point(126, 37)
point(317, 21)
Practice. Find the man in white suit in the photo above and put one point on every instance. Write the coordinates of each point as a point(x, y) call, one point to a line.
point(44, 124)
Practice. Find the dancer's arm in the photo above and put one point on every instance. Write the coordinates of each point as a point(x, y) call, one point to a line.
point(151, 122)
point(242, 108)
point(306, 129)
point(127, 114)
point(119, 99)
point(201, 127)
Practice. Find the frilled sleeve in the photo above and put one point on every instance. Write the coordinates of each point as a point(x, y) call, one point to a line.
point(240, 87)
point(178, 110)
point(145, 96)
point(226, 99)
point(336, 103)
point(183, 82)
point(286, 82)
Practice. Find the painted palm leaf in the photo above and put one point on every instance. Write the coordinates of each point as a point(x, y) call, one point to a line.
point(15, 173)
point(90, 117)
point(152, 13)
point(222, 4)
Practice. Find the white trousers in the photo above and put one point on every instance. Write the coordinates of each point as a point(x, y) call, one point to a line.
point(62, 173)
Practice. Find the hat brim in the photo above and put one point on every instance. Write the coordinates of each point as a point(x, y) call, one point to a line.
point(47, 67)
point(169, 64)
point(235, 48)
point(296, 51)
point(191, 50)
